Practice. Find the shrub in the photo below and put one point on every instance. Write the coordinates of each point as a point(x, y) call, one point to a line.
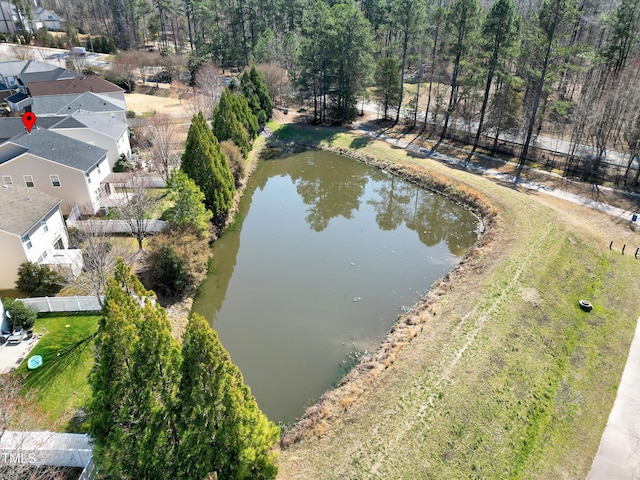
point(177, 263)
point(38, 280)
point(21, 315)
point(123, 164)
point(235, 160)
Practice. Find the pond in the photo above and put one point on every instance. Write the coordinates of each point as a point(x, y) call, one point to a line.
point(324, 255)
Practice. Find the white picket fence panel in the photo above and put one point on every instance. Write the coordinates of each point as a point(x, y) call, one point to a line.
point(63, 304)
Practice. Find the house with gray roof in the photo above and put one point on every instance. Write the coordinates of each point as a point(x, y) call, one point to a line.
point(77, 84)
point(17, 74)
point(100, 130)
point(58, 165)
point(46, 18)
point(94, 103)
point(12, 126)
point(32, 229)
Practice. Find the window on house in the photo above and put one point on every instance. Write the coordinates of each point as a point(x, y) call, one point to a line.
point(55, 180)
point(27, 241)
point(42, 257)
point(6, 180)
point(43, 224)
point(58, 245)
point(28, 181)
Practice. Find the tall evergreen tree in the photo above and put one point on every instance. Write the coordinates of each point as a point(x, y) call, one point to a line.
point(388, 84)
point(260, 85)
point(254, 88)
point(436, 20)
point(225, 124)
point(233, 437)
point(318, 34)
point(622, 26)
point(352, 59)
point(133, 383)
point(407, 15)
point(462, 19)
point(335, 58)
point(498, 35)
point(205, 163)
point(554, 22)
point(188, 211)
point(246, 117)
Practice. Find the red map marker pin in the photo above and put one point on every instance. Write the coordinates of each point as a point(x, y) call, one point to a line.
point(29, 120)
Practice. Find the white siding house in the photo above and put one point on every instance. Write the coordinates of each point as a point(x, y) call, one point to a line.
point(46, 18)
point(57, 165)
point(32, 229)
point(108, 133)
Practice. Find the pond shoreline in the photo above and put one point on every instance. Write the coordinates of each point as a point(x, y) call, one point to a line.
point(408, 325)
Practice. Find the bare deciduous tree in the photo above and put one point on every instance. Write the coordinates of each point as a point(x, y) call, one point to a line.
point(22, 52)
point(208, 86)
point(277, 79)
point(138, 203)
point(160, 138)
point(197, 102)
point(99, 253)
point(19, 411)
point(77, 62)
point(147, 63)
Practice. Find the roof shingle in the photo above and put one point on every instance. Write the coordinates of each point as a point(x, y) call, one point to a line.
point(23, 208)
point(61, 149)
point(89, 83)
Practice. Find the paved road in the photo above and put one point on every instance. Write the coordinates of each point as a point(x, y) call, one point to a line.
point(618, 457)
point(539, 141)
point(53, 56)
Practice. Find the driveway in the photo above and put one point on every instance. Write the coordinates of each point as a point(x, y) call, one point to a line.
point(12, 355)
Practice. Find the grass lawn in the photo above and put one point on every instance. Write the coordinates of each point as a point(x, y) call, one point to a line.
point(505, 377)
point(60, 385)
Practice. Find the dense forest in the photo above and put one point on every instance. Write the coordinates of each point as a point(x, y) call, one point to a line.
point(472, 70)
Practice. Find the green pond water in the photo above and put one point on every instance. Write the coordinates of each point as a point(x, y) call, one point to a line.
point(325, 254)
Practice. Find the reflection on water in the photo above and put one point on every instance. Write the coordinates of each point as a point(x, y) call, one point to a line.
point(325, 253)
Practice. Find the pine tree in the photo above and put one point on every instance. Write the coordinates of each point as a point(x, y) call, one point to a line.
point(133, 383)
point(623, 35)
point(462, 19)
point(498, 33)
point(233, 438)
point(554, 22)
point(254, 88)
point(387, 82)
point(205, 163)
point(188, 211)
point(249, 92)
point(246, 117)
point(260, 85)
point(226, 125)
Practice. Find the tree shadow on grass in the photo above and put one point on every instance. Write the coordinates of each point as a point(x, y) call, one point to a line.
point(360, 142)
point(307, 134)
point(56, 362)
